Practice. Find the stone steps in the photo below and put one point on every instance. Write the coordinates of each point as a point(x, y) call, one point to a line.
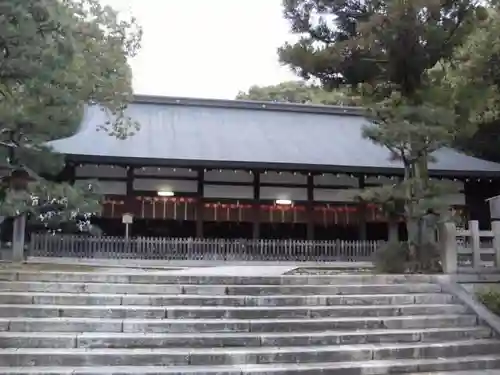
point(225, 312)
point(213, 289)
point(50, 298)
point(158, 323)
point(78, 357)
point(236, 339)
point(452, 366)
point(234, 325)
point(162, 277)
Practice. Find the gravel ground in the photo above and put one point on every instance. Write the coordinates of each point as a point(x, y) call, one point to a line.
point(46, 267)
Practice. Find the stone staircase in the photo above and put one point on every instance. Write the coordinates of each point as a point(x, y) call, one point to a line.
point(95, 323)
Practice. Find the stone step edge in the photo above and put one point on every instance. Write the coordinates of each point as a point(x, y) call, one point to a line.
point(223, 296)
point(226, 308)
point(236, 321)
point(126, 335)
point(374, 367)
point(230, 286)
point(169, 274)
point(244, 351)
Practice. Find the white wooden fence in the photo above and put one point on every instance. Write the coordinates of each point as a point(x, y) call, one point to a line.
point(48, 245)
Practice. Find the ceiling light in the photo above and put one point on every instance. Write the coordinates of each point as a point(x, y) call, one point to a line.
point(283, 201)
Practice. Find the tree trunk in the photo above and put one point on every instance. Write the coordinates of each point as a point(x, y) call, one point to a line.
point(18, 238)
point(393, 231)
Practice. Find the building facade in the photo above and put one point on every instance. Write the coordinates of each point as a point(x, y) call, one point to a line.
point(236, 169)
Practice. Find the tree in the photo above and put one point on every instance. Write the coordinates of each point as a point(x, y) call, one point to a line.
point(470, 81)
point(298, 92)
point(389, 49)
point(376, 42)
point(56, 57)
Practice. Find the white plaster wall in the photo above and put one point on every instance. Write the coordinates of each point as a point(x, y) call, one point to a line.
point(113, 187)
point(181, 186)
point(335, 195)
point(235, 192)
point(228, 176)
point(94, 171)
point(167, 172)
point(336, 180)
point(283, 178)
point(294, 194)
point(380, 180)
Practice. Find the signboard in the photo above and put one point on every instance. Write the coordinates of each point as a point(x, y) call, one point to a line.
point(127, 218)
point(494, 207)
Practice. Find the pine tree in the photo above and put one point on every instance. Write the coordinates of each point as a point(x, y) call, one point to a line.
point(299, 92)
point(388, 49)
point(56, 57)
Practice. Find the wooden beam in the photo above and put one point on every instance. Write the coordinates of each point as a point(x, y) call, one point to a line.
point(362, 212)
point(200, 203)
point(310, 207)
point(256, 205)
point(130, 181)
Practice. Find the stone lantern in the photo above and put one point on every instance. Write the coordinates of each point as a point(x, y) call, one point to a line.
point(18, 181)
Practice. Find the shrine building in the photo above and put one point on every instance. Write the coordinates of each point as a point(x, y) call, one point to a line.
point(241, 169)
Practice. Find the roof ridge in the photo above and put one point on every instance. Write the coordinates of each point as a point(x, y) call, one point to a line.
point(250, 104)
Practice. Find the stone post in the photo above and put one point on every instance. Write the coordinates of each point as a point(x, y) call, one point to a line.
point(475, 243)
point(18, 238)
point(495, 228)
point(449, 251)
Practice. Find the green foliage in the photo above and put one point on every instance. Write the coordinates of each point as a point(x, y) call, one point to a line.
point(299, 92)
point(409, 131)
point(376, 42)
point(470, 82)
point(392, 258)
point(389, 51)
point(57, 57)
point(491, 299)
point(395, 257)
point(49, 201)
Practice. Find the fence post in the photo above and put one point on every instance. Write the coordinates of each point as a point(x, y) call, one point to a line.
point(495, 228)
point(449, 251)
point(475, 243)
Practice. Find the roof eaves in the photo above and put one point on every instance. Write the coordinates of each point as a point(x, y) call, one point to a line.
point(306, 168)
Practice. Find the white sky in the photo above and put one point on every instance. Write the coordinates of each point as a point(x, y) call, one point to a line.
point(207, 48)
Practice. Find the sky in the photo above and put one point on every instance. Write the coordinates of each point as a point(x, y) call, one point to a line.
point(207, 48)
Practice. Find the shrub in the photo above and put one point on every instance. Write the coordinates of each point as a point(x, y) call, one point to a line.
point(491, 299)
point(428, 259)
point(392, 258)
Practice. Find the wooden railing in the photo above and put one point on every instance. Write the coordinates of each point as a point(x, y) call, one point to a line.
point(48, 245)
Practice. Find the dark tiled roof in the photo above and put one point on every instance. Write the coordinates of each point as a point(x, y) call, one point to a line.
point(226, 133)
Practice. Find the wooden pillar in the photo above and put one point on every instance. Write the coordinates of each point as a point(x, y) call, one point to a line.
point(129, 191)
point(256, 205)
point(200, 203)
point(310, 207)
point(130, 181)
point(361, 211)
